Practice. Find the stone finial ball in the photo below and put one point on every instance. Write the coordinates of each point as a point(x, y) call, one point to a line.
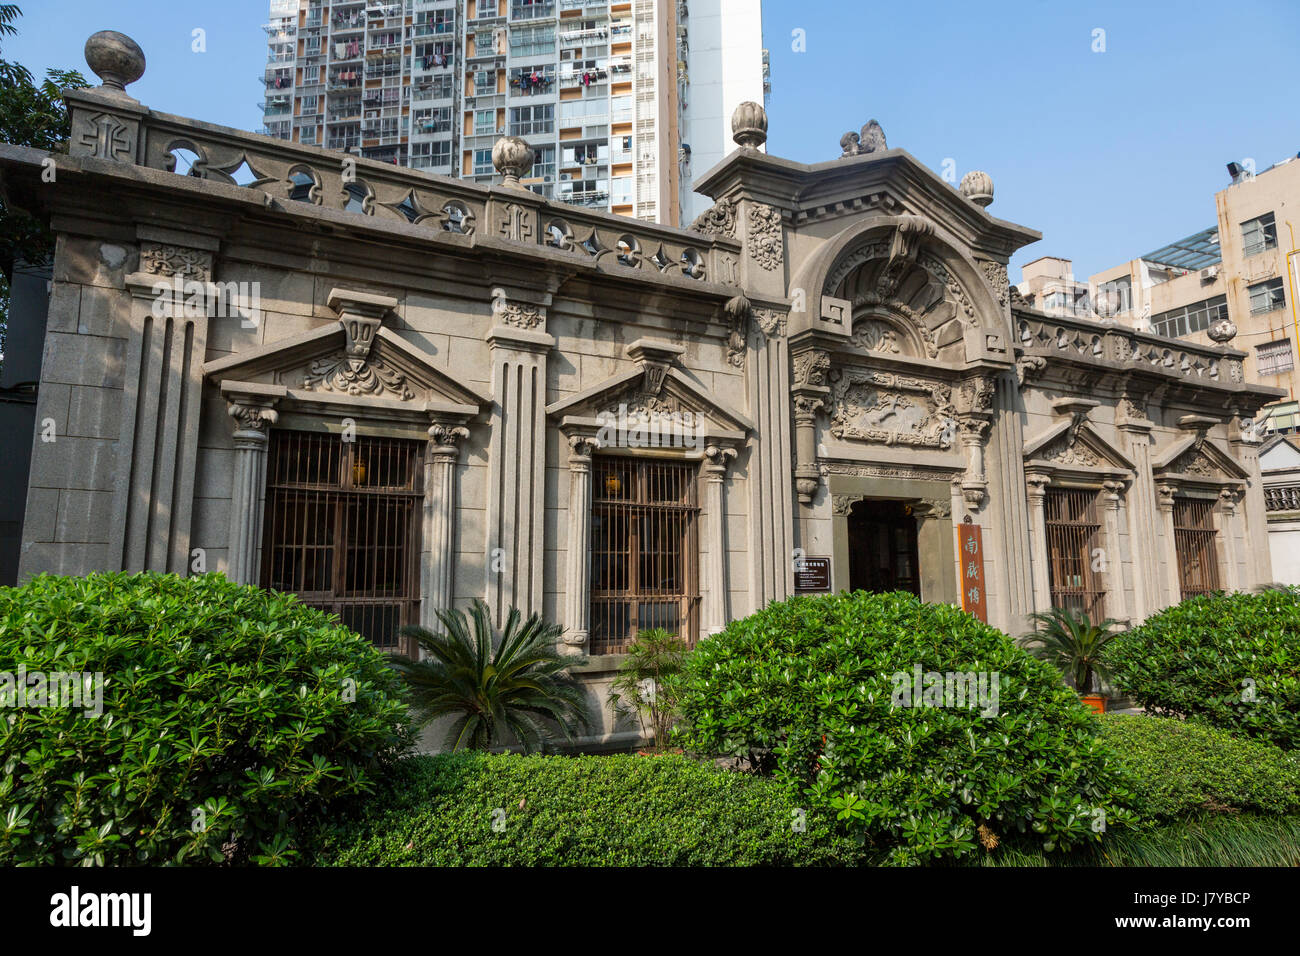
point(115, 58)
point(512, 157)
point(977, 186)
point(749, 125)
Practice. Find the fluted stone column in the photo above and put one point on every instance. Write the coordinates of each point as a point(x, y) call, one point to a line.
point(1225, 520)
point(438, 557)
point(1036, 485)
point(1251, 511)
point(715, 475)
point(253, 419)
point(577, 584)
point(1142, 512)
point(1116, 598)
point(1165, 503)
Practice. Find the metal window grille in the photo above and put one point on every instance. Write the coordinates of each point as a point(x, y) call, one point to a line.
point(342, 530)
point(1258, 235)
point(1266, 296)
point(1198, 562)
point(644, 550)
point(1073, 532)
point(1274, 358)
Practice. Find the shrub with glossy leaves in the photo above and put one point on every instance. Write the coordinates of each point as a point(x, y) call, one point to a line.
point(1231, 660)
point(1178, 767)
point(809, 690)
point(479, 809)
point(230, 715)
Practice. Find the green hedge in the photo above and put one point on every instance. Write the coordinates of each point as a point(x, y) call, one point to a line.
point(804, 689)
point(229, 716)
point(470, 809)
point(1231, 660)
point(1179, 768)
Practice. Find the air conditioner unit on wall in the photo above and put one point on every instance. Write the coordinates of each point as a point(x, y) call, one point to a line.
point(1209, 274)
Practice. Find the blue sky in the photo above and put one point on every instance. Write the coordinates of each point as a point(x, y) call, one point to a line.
point(1109, 154)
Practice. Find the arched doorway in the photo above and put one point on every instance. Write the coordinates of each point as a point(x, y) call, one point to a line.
point(883, 554)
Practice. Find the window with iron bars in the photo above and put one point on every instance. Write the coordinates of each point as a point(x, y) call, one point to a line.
point(1194, 546)
point(342, 529)
point(644, 550)
point(1274, 358)
point(1266, 296)
point(1073, 536)
point(1258, 234)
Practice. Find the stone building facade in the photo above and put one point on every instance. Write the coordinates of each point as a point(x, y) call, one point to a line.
point(392, 392)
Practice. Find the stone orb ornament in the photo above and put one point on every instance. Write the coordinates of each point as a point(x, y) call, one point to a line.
point(115, 58)
point(749, 125)
point(977, 186)
point(513, 158)
point(1222, 331)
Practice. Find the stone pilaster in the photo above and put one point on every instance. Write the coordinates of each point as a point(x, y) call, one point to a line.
point(1243, 438)
point(577, 583)
point(716, 458)
point(1225, 522)
point(1173, 590)
point(438, 556)
point(253, 417)
point(519, 345)
point(771, 485)
point(1140, 505)
point(1117, 604)
point(1036, 486)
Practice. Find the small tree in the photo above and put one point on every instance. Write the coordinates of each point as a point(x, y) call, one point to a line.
point(516, 683)
point(646, 683)
point(1072, 643)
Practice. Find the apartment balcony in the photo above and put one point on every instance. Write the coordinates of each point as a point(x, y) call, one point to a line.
point(523, 12)
point(584, 4)
point(343, 143)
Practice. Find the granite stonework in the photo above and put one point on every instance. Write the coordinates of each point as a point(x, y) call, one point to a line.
point(844, 331)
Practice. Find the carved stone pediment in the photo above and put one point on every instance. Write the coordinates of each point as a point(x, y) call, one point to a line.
point(1197, 459)
point(352, 361)
point(890, 409)
point(1075, 445)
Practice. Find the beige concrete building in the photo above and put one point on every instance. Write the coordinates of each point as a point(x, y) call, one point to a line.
point(390, 392)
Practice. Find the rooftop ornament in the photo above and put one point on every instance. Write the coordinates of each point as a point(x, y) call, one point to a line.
point(749, 125)
point(513, 158)
point(977, 186)
point(870, 140)
point(116, 59)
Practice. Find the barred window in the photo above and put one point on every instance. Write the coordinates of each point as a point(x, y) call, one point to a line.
point(1198, 564)
point(1266, 296)
point(1274, 358)
point(1259, 234)
point(342, 531)
point(1073, 535)
point(644, 548)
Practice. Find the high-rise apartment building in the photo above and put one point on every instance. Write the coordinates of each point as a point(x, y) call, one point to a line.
point(601, 89)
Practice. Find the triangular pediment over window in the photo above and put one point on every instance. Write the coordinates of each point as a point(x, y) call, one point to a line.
point(355, 363)
point(654, 389)
point(1197, 458)
point(1075, 446)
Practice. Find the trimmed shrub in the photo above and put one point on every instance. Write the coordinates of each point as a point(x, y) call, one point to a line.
point(1231, 660)
point(229, 715)
point(478, 809)
point(811, 691)
point(1177, 767)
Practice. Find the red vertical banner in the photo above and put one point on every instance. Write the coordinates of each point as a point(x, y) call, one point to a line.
point(971, 560)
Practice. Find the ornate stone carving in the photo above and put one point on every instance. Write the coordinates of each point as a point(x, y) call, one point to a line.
point(885, 471)
point(352, 376)
point(115, 58)
point(513, 158)
point(916, 322)
point(522, 315)
point(875, 336)
point(1222, 331)
point(843, 504)
point(770, 321)
point(870, 140)
point(811, 368)
point(889, 409)
point(976, 395)
point(1196, 462)
point(934, 265)
point(162, 259)
point(749, 125)
point(764, 236)
point(444, 435)
point(1068, 450)
point(1029, 367)
point(904, 250)
point(252, 418)
point(106, 136)
point(718, 220)
point(581, 447)
point(977, 186)
point(517, 223)
point(996, 274)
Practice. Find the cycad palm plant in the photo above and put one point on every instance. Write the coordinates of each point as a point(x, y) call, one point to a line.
point(1073, 643)
point(513, 683)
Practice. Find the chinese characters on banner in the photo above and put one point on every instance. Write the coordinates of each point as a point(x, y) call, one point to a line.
point(972, 571)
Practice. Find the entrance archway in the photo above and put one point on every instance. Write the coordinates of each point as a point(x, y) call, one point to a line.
point(883, 548)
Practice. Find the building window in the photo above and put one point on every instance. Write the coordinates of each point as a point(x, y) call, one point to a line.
point(425, 155)
point(644, 551)
point(1198, 565)
point(485, 121)
point(1190, 318)
point(1274, 358)
point(1073, 535)
point(342, 529)
point(1266, 296)
point(532, 120)
point(483, 162)
point(485, 82)
point(1258, 235)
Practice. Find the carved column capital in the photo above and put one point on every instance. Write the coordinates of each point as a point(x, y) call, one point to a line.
point(1165, 496)
point(716, 458)
point(581, 448)
point(1037, 484)
point(445, 439)
point(253, 418)
point(1113, 489)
